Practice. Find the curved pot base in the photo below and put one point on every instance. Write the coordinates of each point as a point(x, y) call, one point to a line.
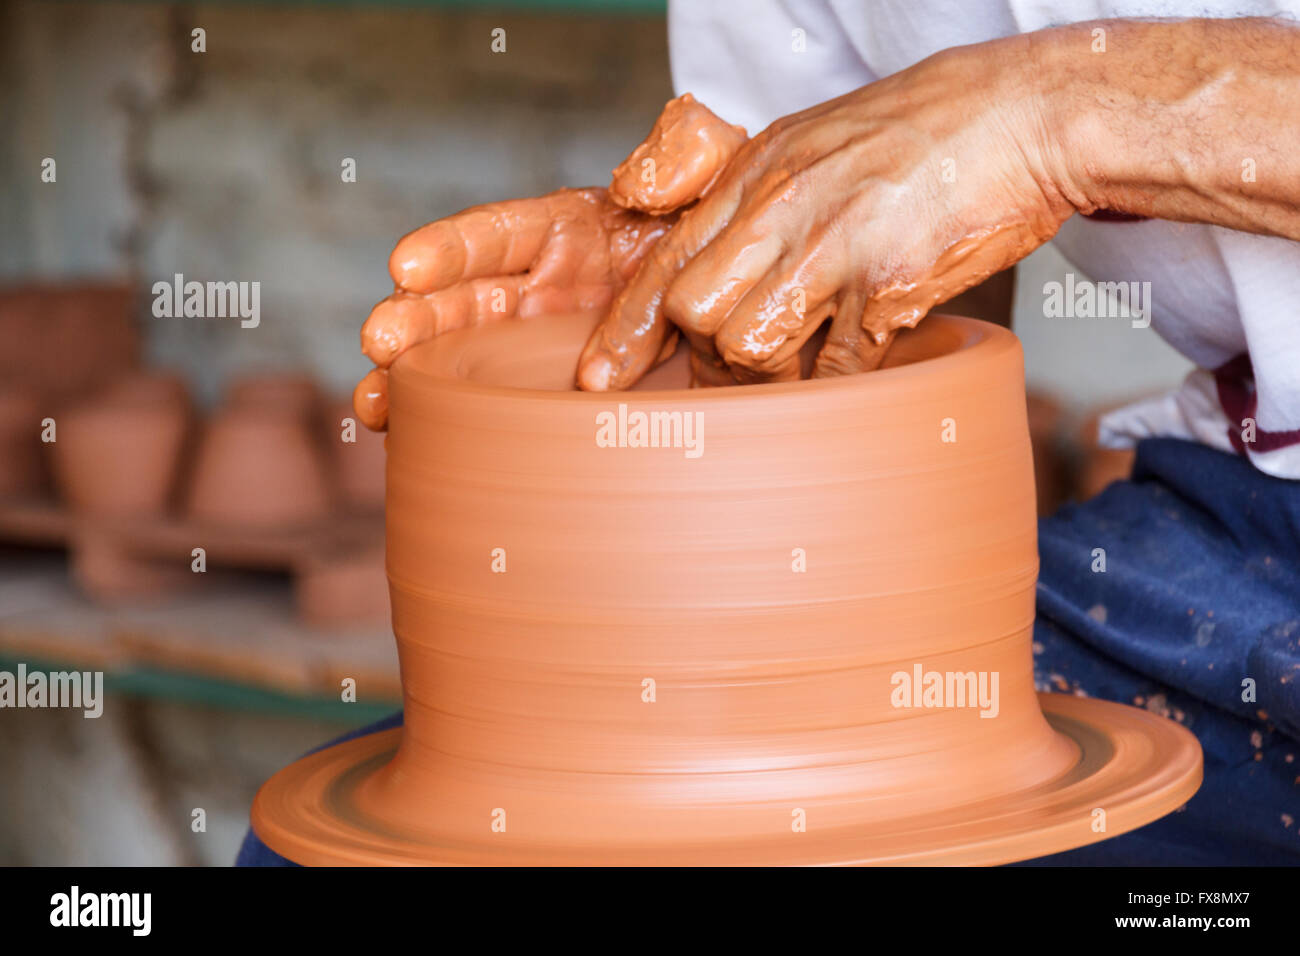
point(1133, 765)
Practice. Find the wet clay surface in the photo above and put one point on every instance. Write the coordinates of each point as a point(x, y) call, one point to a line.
point(681, 158)
point(618, 653)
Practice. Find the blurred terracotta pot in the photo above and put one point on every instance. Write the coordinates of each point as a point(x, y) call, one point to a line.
point(21, 474)
point(259, 465)
point(108, 571)
point(118, 453)
point(343, 591)
point(1045, 418)
point(358, 455)
point(1101, 466)
point(294, 393)
point(150, 387)
point(73, 337)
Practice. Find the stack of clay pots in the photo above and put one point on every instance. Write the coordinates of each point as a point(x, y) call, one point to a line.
point(117, 453)
point(129, 455)
point(269, 460)
point(274, 455)
point(21, 474)
point(74, 338)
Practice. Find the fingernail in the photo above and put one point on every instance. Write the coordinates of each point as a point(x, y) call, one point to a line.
point(596, 374)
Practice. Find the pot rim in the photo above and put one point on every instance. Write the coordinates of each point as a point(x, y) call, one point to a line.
point(425, 365)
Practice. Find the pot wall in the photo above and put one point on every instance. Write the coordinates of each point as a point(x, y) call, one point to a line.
point(627, 564)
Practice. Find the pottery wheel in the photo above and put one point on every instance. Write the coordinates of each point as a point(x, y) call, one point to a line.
point(1132, 765)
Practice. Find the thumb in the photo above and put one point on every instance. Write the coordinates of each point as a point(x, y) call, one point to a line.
point(680, 159)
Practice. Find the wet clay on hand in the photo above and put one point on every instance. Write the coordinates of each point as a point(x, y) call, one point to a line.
point(688, 650)
point(572, 250)
point(867, 210)
point(680, 159)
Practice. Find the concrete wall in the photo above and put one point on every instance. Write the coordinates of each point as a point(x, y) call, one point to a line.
point(225, 165)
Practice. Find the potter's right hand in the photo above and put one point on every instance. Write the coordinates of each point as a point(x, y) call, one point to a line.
point(572, 250)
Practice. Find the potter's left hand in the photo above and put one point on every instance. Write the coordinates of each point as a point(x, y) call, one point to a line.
point(569, 250)
point(870, 209)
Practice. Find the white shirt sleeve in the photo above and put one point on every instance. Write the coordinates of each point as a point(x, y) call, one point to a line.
point(759, 60)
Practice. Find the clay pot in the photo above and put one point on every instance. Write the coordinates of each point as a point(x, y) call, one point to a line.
point(291, 392)
point(343, 591)
point(21, 474)
point(73, 338)
point(153, 387)
point(1045, 434)
point(106, 569)
point(118, 453)
point(1101, 466)
point(260, 465)
point(359, 462)
point(692, 653)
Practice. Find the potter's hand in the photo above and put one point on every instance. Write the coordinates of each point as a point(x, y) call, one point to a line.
point(871, 209)
point(571, 250)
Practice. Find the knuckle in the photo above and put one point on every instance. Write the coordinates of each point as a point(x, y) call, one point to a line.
point(683, 307)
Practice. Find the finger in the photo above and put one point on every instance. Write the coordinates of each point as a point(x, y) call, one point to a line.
point(785, 364)
point(395, 324)
point(849, 347)
point(370, 399)
point(576, 250)
point(631, 237)
point(722, 274)
point(405, 319)
point(761, 338)
point(623, 347)
point(677, 163)
point(495, 239)
point(708, 370)
point(555, 300)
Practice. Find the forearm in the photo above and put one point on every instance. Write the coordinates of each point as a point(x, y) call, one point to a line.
point(1191, 120)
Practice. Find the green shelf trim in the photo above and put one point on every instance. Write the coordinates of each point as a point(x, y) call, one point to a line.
point(611, 7)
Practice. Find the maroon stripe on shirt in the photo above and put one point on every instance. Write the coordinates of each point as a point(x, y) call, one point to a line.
point(1111, 215)
point(1235, 383)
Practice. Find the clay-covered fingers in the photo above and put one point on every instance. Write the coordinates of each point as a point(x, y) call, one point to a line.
point(774, 360)
point(707, 368)
point(626, 343)
point(761, 336)
point(631, 337)
point(370, 399)
point(405, 319)
point(849, 347)
point(682, 157)
point(503, 238)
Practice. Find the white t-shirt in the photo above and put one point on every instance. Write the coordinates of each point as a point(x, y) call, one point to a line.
point(1229, 301)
